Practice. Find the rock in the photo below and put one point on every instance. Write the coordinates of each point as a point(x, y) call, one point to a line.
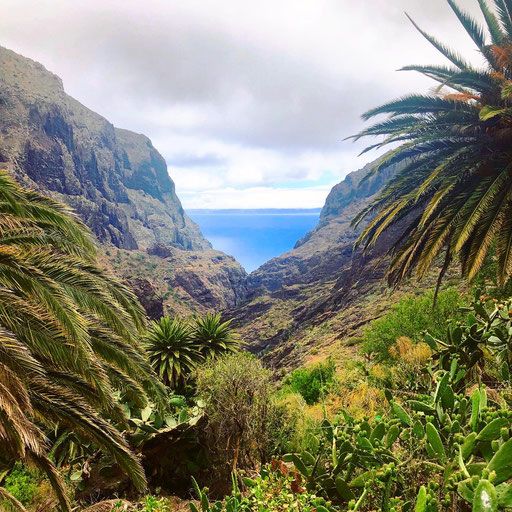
point(115, 179)
point(148, 297)
point(160, 250)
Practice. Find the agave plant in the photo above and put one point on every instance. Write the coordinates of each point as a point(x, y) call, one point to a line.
point(68, 336)
point(214, 336)
point(454, 190)
point(172, 351)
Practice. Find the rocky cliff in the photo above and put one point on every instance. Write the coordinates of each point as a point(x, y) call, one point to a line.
point(115, 179)
point(118, 183)
point(320, 295)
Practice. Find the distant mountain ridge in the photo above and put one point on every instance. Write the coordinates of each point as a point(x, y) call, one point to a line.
point(115, 179)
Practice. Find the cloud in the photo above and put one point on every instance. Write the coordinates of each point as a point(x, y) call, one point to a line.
point(258, 197)
point(234, 93)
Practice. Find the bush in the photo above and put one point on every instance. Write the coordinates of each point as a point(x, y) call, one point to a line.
point(21, 483)
point(409, 318)
point(236, 392)
point(311, 383)
point(276, 489)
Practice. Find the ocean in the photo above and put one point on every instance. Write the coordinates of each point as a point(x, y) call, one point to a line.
point(254, 236)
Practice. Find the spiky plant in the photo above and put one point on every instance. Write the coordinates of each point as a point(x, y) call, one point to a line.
point(68, 336)
point(454, 191)
point(214, 336)
point(172, 351)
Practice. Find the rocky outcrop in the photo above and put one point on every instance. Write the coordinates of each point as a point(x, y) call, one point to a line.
point(148, 297)
point(328, 248)
point(309, 285)
point(181, 282)
point(115, 179)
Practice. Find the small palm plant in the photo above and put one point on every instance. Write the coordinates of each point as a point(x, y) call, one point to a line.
point(68, 337)
point(454, 191)
point(214, 336)
point(172, 351)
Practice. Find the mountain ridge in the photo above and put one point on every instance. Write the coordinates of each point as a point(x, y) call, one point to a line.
point(118, 183)
point(114, 178)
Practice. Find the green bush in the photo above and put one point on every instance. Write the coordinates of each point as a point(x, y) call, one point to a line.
point(410, 317)
point(311, 382)
point(276, 489)
point(447, 445)
point(236, 392)
point(21, 483)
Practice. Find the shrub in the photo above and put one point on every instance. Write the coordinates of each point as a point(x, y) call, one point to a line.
point(21, 483)
point(447, 443)
point(172, 351)
point(276, 489)
point(312, 382)
point(236, 392)
point(409, 318)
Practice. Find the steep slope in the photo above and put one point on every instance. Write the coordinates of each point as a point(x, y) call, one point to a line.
point(115, 179)
point(328, 247)
point(118, 183)
point(319, 296)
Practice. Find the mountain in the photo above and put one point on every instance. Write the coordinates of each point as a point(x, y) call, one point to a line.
point(115, 179)
point(320, 295)
point(119, 185)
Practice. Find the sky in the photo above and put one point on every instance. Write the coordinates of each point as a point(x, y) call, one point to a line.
point(248, 101)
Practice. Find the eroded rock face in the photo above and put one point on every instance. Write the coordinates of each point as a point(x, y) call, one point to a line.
point(328, 248)
point(319, 277)
point(115, 179)
point(148, 297)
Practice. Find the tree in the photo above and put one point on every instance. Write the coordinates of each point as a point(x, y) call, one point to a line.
point(213, 335)
point(454, 191)
point(236, 391)
point(172, 351)
point(68, 336)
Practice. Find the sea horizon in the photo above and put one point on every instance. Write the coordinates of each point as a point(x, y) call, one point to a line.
point(253, 236)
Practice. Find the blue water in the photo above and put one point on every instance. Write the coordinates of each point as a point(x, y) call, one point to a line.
point(254, 236)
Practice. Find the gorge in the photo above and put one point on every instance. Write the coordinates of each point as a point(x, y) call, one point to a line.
point(117, 182)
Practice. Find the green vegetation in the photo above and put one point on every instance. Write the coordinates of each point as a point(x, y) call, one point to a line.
point(452, 436)
point(311, 383)
point(420, 419)
point(213, 335)
point(172, 351)
point(275, 489)
point(236, 392)
point(20, 483)
point(453, 188)
point(177, 346)
point(68, 336)
point(410, 317)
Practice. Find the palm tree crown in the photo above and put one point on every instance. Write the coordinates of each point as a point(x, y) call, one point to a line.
point(172, 351)
point(68, 335)
point(214, 336)
point(454, 191)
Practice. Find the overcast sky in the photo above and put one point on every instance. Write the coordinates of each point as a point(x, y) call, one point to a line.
point(248, 101)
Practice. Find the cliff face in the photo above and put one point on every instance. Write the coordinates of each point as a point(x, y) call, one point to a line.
point(321, 286)
point(328, 247)
point(115, 179)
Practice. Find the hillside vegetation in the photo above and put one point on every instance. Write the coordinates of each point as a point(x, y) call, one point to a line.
point(362, 398)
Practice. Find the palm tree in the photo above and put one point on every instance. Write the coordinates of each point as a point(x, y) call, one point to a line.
point(172, 351)
point(214, 336)
point(68, 336)
point(454, 191)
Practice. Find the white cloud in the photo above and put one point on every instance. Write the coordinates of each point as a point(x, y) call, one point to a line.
point(237, 95)
point(257, 197)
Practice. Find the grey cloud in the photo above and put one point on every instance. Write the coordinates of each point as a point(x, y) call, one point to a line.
point(274, 82)
point(196, 161)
